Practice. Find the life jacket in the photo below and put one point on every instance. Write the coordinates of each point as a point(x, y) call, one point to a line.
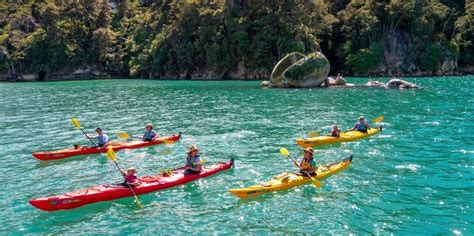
point(307, 166)
point(103, 139)
point(362, 127)
point(191, 162)
point(149, 135)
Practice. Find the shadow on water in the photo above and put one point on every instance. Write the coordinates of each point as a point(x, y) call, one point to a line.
point(102, 159)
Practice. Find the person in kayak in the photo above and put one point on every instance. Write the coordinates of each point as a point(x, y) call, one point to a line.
point(149, 134)
point(362, 125)
point(131, 178)
point(308, 165)
point(335, 131)
point(193, 161)
point(102, 138)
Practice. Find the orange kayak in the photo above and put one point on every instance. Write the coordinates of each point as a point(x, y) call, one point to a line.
point(116, 146)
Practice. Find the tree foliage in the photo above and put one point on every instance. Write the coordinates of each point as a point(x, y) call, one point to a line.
point(171, 38)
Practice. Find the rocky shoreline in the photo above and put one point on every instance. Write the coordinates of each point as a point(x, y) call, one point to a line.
point(85, 74)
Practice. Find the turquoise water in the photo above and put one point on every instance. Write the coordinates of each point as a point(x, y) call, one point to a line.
point(416, 177)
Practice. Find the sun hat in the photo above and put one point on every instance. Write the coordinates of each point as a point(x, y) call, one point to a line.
point(308, 149)
point(192, 148)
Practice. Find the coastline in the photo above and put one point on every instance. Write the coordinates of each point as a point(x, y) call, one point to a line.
point(69, 77)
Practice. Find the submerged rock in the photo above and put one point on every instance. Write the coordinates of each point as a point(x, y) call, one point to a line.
point(393, 84)
point(400, 84)
point(297, 70)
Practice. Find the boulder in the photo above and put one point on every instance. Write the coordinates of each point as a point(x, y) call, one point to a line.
point(297, 70)
point(340, 80)
point(400, 84)
point(393, 84)
point(374, 83)
point(265, 84)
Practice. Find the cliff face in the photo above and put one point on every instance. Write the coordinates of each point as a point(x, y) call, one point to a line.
point(401, 58)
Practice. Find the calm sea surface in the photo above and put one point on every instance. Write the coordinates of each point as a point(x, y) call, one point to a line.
point(416, 177)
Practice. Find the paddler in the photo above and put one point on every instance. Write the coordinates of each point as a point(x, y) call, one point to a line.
point(362, 125)
point(102, 138)
point(308, 165)
point(149, 134)
point(193, 161)
point(131, 178)
point(335, 131)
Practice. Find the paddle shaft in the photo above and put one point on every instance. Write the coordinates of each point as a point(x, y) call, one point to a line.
point(130, 187)
point(87, 136)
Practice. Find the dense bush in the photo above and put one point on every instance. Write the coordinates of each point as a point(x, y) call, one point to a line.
point(172, 38)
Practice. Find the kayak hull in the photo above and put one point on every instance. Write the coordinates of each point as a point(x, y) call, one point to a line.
point(288, 180)
point(347, 136)
point(116, 146)
point(108, 192)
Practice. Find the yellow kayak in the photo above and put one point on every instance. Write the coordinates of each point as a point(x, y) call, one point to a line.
point(288, 180)
point(347, 136)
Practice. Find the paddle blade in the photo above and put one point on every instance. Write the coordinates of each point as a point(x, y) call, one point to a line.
point(378, 119)
point(123, 136)
point(313, 134)
point(137, 201)
point(284, 152)
point(166, 151)
point(75, 122)
point(111, 154)
point(167, 141)
point(316, 183)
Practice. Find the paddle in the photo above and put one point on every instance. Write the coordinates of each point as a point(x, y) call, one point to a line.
point(378, 119)
point(76, 123)
point(285, 153)
point(126, 136)
point(111, 155)
point(313, 134)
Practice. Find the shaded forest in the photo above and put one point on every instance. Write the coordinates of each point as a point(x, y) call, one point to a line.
point(233, 39)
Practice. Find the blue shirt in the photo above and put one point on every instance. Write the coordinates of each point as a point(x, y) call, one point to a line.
point(361, 126)
point(103, 139)
point(149, 135)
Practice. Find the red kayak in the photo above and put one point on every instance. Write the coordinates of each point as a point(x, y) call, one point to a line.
point(69, 152)
point(108, 192)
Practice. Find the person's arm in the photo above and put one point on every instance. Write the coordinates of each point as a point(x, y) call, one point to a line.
point(368, 126)
point(155, 134)
point(106, 140)
point(135, 183)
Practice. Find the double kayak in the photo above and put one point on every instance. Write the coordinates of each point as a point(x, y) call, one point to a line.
point(288, 180)
point(108, 192)
point(116, 146)
point(347, 136)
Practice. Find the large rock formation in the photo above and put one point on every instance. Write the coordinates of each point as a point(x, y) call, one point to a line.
point(297, 70)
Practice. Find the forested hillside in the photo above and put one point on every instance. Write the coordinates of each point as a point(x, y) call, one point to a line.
point(233, 39)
